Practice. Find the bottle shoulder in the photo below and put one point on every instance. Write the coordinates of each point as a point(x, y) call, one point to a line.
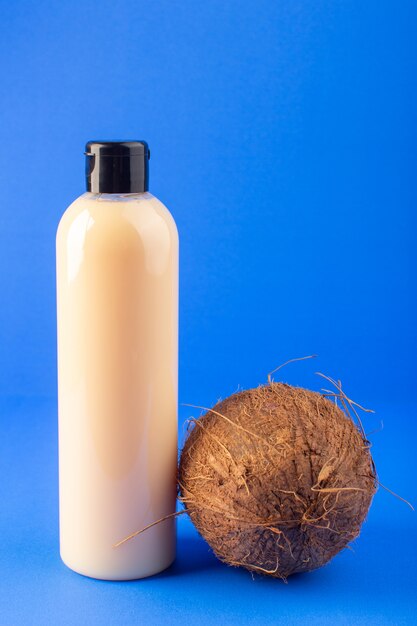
point(111, 214)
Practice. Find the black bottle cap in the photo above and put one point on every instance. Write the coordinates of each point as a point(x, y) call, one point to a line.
point(117, 166)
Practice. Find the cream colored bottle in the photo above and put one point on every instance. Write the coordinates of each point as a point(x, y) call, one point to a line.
point(117, 314)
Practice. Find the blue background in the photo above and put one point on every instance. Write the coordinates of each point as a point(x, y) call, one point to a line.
point(284, 141)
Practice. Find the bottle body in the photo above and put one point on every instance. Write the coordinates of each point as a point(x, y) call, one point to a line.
point(117, 313)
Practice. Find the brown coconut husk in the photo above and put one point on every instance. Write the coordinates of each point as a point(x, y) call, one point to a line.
point(277, 479)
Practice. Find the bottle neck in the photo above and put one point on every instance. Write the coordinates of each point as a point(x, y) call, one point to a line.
point(118, 197)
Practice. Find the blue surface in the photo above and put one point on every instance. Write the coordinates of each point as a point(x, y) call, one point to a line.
point(284, 141)
point(374, 583)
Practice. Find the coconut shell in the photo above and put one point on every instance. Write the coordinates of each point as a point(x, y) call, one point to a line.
point(277, 479)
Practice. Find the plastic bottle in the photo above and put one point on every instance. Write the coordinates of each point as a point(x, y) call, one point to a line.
point(117, 314)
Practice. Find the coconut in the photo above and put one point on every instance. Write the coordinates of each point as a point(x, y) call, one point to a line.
point(277, 479)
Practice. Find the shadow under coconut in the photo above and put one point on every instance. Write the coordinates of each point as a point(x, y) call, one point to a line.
point(193, 555)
